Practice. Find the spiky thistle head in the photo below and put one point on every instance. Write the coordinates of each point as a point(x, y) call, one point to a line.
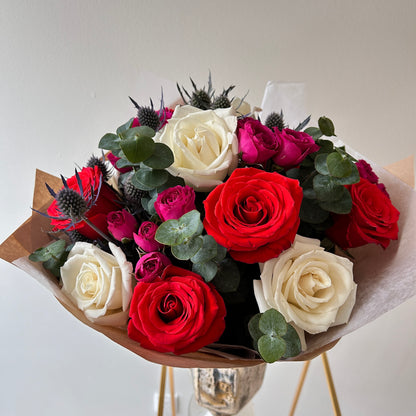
point(222, 101)
point(147, 115)
point(131, 193)
point(200, 97)
point(102, 166)
point(71, 204)
point(275, 120)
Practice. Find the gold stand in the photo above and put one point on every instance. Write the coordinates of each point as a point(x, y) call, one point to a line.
point(330, 382)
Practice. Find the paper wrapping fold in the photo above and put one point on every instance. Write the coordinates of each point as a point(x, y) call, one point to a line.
point(385, 278)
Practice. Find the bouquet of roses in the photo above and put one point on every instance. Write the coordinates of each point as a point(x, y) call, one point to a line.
point(203, 223)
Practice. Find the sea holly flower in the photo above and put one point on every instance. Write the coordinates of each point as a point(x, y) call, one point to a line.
point(83, 204)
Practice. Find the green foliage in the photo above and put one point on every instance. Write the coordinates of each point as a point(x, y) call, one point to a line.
point(326, 126)
point(273, 338)
point(52, 256)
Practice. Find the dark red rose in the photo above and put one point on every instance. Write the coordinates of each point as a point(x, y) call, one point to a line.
point(373, 218)
point(294, 146)
point(254, 214)
point(366, 171)
point(106, 202)
point(256, 142)
point(179, 313)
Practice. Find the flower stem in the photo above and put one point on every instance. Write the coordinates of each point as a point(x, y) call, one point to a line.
point(98, 231)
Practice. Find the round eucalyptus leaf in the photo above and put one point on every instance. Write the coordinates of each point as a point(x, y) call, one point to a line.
point(187, 249)
point(207, 252)
point(326, 126)
point(124, 127)
point(321, 165)
point(227, 279)
point(315, 132)
point(109, 141)
point(137, 148)
point(161, 158)
point(207, 270)
point(272, 322)
point(151, 178)
point(338, 166)
point(293, 345)
point(254, 330)
point(271, 348)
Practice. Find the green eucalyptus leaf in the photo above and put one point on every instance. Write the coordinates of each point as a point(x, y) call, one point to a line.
point(187, 249)
point(136, 181)
point(169, 233)
point(161, 158)
point(327, 189)
point(190, 223)
point(221, 253)
point(338, 166)
point(342, 205)
point(124, 127)
point(55, 249)
point(227, 279)
point(271, 348)
point(272, 322)
point(309, 193)
point(254, 330)
point(207, 252)
point(293, 345)
point(326, 126)
point(137, 148)
point(150, 178)
point(171, 182)
point(320, 164)
point(311, 212)
point(315, 132)
point(207, 270)
point(353, 177)
point(326, 146)
point(110, 141)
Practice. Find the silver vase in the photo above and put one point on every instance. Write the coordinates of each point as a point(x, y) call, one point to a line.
point(225, 391)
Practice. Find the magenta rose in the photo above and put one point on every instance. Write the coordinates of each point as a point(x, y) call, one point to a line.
point(366, 172)
point(145, 237)
point(150, 267)
point(121, 224)
point(172, 203)
point(256, 142)
point(294, 146)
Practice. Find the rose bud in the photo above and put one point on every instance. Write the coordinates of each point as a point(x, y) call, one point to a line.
point(121, 224)
point(150, 267)
point(145, 237)
point(172, 203)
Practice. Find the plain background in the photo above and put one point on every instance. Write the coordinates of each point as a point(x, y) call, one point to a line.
point(66, 70)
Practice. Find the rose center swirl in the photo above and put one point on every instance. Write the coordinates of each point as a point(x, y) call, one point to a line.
point(170, 308)
point(251, 211)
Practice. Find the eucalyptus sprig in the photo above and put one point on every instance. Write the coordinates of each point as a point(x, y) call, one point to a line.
point(272, 337)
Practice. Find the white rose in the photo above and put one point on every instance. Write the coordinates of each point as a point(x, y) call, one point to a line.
point(98, 283)
point(204, 145)
point(310, 287)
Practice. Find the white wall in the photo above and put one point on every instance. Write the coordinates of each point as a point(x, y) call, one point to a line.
point(66, 70)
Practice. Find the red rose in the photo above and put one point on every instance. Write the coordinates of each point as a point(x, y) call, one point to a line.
point(373, 218)
point(294, 146)
point(105, 202)
point(255, 214)
point(179, 313)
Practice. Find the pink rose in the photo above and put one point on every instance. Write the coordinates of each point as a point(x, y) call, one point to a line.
point(145, 237)
point(172, 203)
point(294, 146)
point(121, 224)
point(151, 266)
point(256, 142)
